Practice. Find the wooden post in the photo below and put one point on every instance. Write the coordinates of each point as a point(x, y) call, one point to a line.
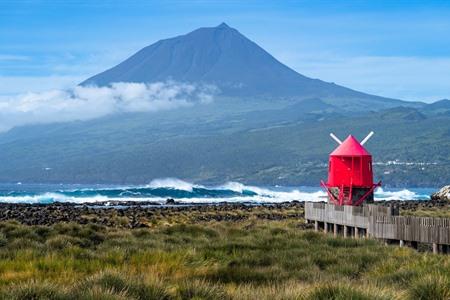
point(402, 243)
point(325, 227)
point(316, 225)
point(435, 248)
point(335, 229)
point(345, 231)
point(356, 233)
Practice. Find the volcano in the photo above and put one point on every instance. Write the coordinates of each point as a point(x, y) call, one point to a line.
point(224, 57)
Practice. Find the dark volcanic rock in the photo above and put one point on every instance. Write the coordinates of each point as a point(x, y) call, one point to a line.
point(142, 214)
point(170, 201)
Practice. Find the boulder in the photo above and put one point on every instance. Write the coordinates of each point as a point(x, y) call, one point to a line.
point(442, 194)
point(170, 201)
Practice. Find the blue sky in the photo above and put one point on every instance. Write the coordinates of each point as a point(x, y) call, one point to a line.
point(398, 49)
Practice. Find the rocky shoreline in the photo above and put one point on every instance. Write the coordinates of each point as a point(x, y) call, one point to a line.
point(143, 214)
point(146, 214)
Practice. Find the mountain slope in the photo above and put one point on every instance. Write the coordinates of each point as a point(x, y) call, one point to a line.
point(224, 57)
point(137, 148)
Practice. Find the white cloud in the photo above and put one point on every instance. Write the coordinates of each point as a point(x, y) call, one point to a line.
point(89, 102)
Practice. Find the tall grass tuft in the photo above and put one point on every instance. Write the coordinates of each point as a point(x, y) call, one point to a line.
point(32, 290)
point(195, 289)
point(434, 286)
point(343, 291)
point(122, 285)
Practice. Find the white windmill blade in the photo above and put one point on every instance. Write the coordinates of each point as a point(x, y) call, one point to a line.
point(335, 138)
point(367, 138)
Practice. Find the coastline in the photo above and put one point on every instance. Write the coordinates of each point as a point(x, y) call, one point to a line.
point(131, 214)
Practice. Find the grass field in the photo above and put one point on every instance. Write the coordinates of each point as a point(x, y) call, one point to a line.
point(434, 212)
point(249, 259)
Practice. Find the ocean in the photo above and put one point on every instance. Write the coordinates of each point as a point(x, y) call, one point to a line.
point(160, 190)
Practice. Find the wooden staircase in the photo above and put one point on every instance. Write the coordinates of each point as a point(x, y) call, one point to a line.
point(346, 197)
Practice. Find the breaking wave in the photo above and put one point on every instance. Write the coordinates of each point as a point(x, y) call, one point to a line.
point(160, 190)
point(402, 194)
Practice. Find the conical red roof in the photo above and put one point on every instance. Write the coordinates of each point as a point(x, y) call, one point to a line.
point(350, 147)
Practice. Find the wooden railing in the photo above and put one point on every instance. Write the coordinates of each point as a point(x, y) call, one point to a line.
point(382, 222)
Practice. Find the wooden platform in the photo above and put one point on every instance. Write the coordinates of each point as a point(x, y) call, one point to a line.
point(379, 222)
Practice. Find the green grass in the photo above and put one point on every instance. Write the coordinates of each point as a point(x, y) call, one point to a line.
point(433, 212)
point(252, 259)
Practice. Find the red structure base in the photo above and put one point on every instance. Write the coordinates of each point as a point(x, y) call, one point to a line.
point(347, 194)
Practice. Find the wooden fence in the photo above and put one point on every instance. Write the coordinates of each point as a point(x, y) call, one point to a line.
point(382, 222)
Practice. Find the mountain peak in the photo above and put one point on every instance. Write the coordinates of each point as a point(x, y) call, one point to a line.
point(223, 25)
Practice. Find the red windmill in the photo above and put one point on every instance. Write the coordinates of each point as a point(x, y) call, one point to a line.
point(350, 176)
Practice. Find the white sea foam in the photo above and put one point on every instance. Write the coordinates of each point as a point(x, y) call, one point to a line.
point(173, 183)
point(275, 196)
point(248, 194)
point(51, 198)
point(403, 194)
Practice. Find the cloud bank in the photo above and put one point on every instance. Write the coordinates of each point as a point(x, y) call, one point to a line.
point(88, 102)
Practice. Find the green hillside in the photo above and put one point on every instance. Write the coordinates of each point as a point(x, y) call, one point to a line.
point(270, 146)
